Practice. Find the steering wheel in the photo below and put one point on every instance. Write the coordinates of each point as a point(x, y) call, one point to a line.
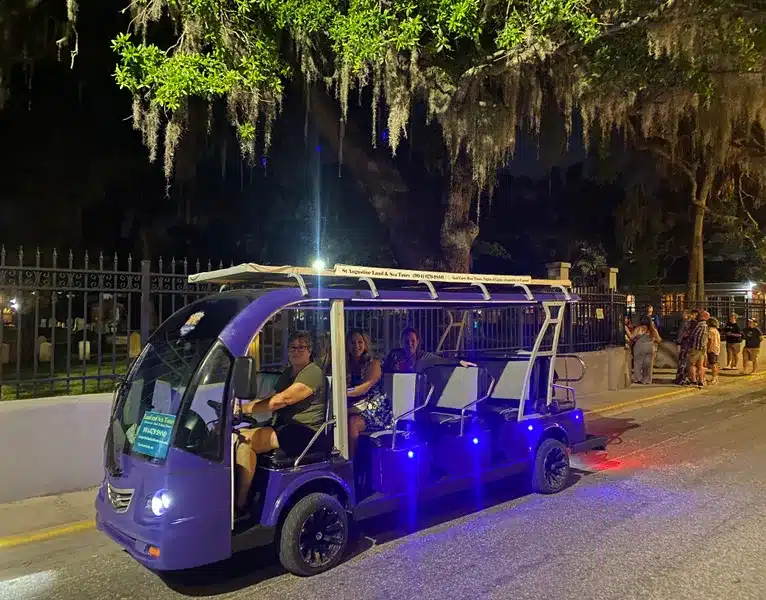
point(217, 407)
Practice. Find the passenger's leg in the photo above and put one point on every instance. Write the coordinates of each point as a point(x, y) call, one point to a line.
point(252, 442)
point(356, 425)
point(754, 355)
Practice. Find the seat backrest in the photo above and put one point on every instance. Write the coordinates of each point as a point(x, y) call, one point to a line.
point(510, 381)
point(454, 387)
point(403, 390)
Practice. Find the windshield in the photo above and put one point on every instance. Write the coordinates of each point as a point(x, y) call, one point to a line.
point(149, 402)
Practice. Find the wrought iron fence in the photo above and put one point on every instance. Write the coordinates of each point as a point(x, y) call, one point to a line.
point(72, 326)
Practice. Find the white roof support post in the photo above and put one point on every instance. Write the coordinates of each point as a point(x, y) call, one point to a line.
point(557, 321)
point(549, 320)
point(338, 354)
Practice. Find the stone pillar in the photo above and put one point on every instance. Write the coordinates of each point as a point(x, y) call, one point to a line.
point(558, 270)
point(609, 278)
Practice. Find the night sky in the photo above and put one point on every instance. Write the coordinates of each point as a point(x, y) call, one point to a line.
point(77, 176)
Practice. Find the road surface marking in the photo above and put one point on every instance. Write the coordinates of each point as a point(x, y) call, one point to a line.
point(638, 403)
point(45, 534)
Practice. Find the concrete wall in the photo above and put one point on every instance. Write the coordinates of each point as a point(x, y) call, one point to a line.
point(606, 370)
point(51, 445)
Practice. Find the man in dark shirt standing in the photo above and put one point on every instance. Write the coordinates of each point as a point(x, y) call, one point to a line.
point(733, 342)
point(753, 337)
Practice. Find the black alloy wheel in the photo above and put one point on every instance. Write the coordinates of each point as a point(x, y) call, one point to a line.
point(551, 469)
point(314, 535)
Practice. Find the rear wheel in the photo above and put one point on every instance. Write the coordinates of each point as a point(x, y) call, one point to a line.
point(314, 535)
point(550, 472)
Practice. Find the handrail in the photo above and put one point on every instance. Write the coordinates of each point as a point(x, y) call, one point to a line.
point(324, 426)
point(482, 399)
point(568, 389)
point(410, 412)
point(582, 364)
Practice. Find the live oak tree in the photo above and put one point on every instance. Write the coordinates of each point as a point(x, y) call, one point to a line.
point(682, 79)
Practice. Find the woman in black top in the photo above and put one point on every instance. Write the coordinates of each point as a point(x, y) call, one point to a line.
point(733, 335)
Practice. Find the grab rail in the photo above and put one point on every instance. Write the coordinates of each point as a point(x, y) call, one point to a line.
point(568, 389)
point(410, 412)
point(582, 366)
point(324, 426)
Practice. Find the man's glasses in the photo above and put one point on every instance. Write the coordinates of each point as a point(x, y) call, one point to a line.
point(297, 348)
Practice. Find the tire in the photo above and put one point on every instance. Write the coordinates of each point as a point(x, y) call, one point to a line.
point(316, 514)
point(550, 471)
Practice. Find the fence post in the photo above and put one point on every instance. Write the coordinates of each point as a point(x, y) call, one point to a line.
point(146, 302)
point(558, 270)
point(609, 278)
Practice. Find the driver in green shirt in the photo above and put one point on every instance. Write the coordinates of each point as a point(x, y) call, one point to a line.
point(298, 404)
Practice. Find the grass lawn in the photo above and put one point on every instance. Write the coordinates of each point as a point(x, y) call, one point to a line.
point(30, 386)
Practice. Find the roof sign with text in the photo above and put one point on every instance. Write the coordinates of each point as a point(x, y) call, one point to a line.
point(433, 276)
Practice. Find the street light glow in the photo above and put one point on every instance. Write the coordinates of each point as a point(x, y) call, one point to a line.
point(318, 264)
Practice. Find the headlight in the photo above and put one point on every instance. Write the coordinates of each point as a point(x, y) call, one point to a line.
point(160, 503)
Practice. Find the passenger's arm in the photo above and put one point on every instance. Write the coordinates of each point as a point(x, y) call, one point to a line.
point(261, 405)
point(373, 375)
point(295, 393)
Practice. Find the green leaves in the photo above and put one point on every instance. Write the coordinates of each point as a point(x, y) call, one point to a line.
point(169, 79)
point(560, 19)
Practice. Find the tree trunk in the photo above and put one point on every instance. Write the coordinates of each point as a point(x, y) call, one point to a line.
point(458, 232)
point(696, 277)
point(418, 240)
point(694, 294)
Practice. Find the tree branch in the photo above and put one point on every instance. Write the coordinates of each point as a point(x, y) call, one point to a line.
point(522, 56)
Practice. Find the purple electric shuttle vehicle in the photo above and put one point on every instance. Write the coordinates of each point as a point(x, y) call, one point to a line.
point(168, 491)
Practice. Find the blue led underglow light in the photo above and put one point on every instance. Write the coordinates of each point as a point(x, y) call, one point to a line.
point(410, 454)
point(475, 440)
point(530, 427)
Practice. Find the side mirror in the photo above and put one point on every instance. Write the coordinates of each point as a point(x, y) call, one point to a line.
point(244, 378)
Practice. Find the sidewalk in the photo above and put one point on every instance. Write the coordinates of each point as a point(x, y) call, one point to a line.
point(46, 517)
point(664, 390)
point(52, 516)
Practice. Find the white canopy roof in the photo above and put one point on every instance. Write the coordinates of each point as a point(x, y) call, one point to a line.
point(265, 274)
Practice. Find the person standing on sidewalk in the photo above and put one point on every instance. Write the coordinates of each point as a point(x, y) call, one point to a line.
point(644, 337)
point(653, 317)
point(713, 347)
point(683, 341)
point(698, 350)
point(733, 342)
point(753, 337)
point(656, 322)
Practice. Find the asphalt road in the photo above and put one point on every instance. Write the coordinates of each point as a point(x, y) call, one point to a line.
point(676, 510)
